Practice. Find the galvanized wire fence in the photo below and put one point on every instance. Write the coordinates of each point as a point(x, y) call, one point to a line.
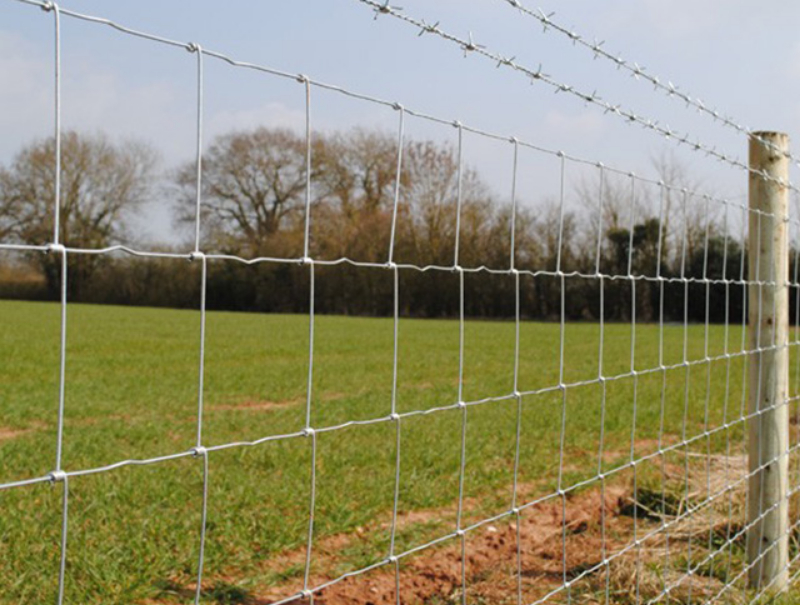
point(697, 519)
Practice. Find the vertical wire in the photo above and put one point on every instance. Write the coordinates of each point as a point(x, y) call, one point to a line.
point(57, 125)
point(459, 195)
point(635, 388)
point(633, 220)
point(398, 180)
point(203, 288)
point(517, 395)
point(62, 565)
point(311, 314)
point(562, 440)
point(632, 281)
point(519, 556)
point(62, 365)
point(633, 422)
point(395, 336)
point(725, 406)
point(63, 336)
point(397, 581)
point(707, 359)
point(660, 246)
point(199, 157)
point(516, 392)
point(684, 427)
point(462, 469)
point(396, 320)
point(663, 398)
point(307, 225)
point(203, 293)
point(203, 526)
point(199, 449)
point(661, 431)
point(600, 220)
point(312, 505)
point(201, 368)
point(512, 260)
point(460, 335)
point(461, 403)
point(396, 416)
point(561, 197)
point(463, 567)
point(310, 432)
point(604, 386)
point(743, 346)
point(396, 499)
point(601, 445)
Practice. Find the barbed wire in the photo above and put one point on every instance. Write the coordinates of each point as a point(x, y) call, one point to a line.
point(639, 72)
point(469, 46)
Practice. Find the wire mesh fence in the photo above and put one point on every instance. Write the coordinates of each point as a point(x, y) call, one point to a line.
point(623, 446)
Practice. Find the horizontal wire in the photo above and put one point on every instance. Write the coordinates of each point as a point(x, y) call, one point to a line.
point(534, 273)
point(452, 407)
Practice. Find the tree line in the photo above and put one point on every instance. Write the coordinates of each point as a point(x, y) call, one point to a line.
point(254, 196)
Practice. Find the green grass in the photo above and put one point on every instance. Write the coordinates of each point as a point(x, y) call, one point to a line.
point(131, 392)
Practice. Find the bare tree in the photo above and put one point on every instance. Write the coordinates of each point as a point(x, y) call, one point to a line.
point(358, 170)
point(355, 183)
point(253, 185)
point(687, 216)
point(430, 205)
point(102, 183)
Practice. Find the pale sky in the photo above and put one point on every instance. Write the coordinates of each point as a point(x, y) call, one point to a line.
point(740, 56)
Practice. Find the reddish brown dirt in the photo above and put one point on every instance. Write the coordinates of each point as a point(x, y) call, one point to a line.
point(256, 405)
point(7, 434)
point(560, 540)
point(435, 575)
point(491, 560)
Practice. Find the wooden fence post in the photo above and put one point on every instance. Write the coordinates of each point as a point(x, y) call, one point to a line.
point(768, 331)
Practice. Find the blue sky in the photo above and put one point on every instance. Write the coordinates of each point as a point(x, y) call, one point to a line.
point(740, 56)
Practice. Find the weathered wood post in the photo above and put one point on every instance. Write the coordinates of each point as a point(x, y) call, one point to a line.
point(768, 302)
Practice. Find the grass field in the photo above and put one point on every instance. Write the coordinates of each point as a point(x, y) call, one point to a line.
point(131, 392)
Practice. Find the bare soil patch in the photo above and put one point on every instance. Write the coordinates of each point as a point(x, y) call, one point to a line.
point(557, 552)
point(7, 434)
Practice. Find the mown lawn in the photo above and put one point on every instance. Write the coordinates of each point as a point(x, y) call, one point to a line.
point(132, 389)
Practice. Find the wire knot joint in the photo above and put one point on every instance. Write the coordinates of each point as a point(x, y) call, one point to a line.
point(57, 477)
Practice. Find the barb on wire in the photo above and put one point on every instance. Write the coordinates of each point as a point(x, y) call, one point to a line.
point(640, 73)
point(537, 75)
